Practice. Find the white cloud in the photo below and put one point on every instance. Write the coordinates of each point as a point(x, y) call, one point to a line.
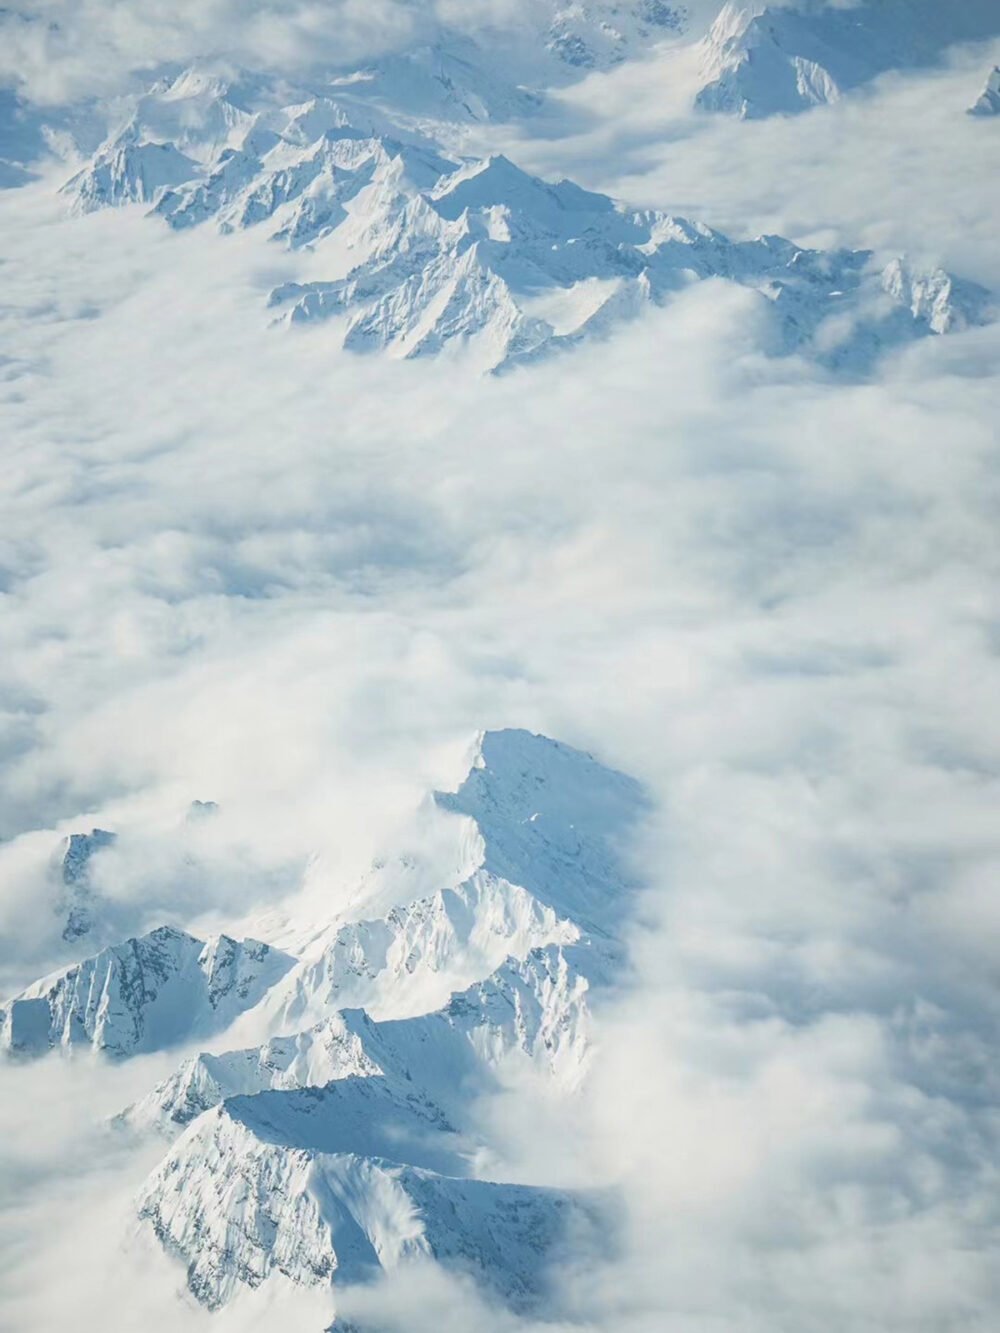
point(56, 51)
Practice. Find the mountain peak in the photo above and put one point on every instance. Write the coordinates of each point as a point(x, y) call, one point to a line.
point(988, 103)
point(145, 994)
point(236, 1203)
point(496, 180)
point(79, 901)
point(766, 59)
point(554, 820)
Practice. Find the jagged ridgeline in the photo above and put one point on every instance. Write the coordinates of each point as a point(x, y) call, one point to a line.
point(430, 253)
point(346, 1140)
point(762, 60)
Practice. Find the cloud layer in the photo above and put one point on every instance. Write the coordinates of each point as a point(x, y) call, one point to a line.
point(238, 564)
point(54, 51)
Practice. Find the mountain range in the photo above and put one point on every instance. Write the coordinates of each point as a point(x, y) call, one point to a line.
point(988, 101)
point(430, 254)
point(344, 1143)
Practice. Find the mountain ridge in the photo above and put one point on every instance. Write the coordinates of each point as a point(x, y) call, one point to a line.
point(145, 994)
point(763, 59)
point(438, 255)
point(274, 1140)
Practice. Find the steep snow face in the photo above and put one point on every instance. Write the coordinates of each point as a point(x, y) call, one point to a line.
point(241, 1197)
point(78, 901)
point(547, 831)
point(988, 103)
point(535, 1008)
point(555, 821)
point(331, 1050)
point(129, 172)
point(761, 60)
point(934, 297)
point(471, 259)
point(143, 995)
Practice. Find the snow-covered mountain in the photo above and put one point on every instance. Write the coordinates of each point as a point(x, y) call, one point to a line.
point(429, 253)
point(988, 102)
point(555, 821)
point(332, 1185)
point(502, 72)
point(764, 59)
point(536, 1006)
point(328, 1152)
point(449, 76)
point(142, 995)
point(514, 267)
point(447, 79)
point(417, 954)
point(545, 815)
point(348, 1141)
point(78, 902)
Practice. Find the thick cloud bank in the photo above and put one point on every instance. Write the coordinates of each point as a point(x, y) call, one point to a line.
point(238, 564)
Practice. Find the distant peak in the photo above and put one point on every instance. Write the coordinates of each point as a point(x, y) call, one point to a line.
point(79, 848)
point(988, 103)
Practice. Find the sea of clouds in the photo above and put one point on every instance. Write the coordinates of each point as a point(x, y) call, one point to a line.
point(239, 564)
